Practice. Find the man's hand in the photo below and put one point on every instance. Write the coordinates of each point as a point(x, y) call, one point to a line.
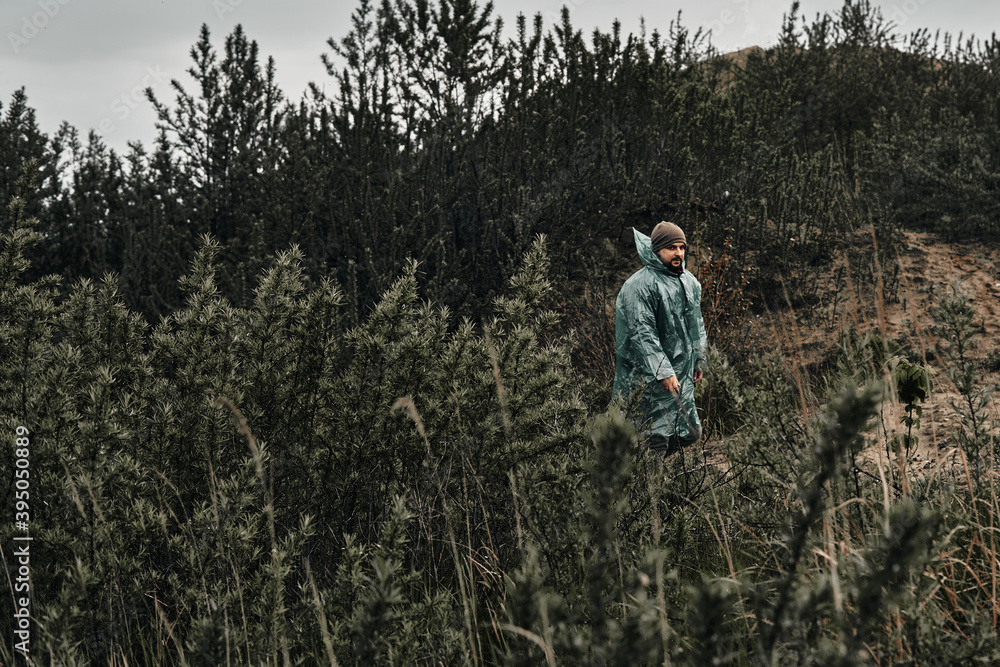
point(671, 384)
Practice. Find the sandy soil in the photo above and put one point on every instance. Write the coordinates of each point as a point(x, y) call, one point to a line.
point(928, 266)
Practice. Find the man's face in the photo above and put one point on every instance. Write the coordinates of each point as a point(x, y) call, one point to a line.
point(673, 255)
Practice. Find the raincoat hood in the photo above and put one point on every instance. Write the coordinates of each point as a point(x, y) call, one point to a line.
point(644, 246)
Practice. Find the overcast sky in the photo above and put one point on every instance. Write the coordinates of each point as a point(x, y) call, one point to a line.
point(86, 61)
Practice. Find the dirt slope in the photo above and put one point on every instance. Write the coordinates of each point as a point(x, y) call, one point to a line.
point(928, 266)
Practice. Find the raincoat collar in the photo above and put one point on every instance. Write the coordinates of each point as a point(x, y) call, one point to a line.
point(644, 246)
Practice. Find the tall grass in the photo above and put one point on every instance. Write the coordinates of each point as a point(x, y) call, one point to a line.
point(264, 486)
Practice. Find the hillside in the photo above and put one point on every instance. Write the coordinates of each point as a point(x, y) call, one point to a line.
point(928, 268)
point(329, 382)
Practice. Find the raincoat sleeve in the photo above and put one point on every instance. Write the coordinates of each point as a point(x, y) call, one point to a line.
point(646, 339)
point(701, 340)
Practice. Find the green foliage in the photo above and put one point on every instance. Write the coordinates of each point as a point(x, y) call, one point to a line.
point(912, 383)
point(353, 433)
point(609, 617)
point(871, 357)
point(955, 323)
point(182, 522)
point(270, 485)
point(443, 142)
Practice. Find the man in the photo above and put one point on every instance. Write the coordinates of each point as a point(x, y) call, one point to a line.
point(660, 339)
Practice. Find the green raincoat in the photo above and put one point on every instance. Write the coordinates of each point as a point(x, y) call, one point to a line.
point(659, 332)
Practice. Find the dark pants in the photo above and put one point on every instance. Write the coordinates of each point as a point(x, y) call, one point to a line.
point(665, 446)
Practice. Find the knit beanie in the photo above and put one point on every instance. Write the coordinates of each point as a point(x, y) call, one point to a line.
point(666, 233)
